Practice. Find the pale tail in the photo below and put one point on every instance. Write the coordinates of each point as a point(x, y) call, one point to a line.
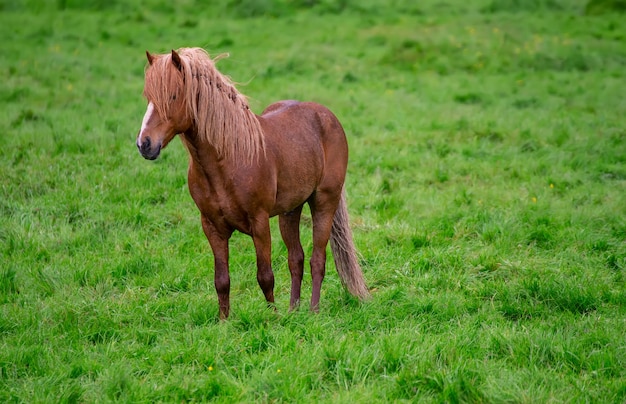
point(344, 253)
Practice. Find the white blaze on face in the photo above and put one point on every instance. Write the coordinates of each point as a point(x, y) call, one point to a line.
point(144, 123)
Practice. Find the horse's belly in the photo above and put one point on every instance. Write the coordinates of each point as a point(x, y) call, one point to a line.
point(289, 197)
point(297, 183)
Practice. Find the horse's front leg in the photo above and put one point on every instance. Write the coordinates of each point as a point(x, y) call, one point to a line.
point(263, 244)
point(219, 245)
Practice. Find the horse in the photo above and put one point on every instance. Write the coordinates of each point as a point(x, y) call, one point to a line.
point(245, 168)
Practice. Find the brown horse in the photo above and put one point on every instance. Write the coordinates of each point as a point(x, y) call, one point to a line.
point(245, 168)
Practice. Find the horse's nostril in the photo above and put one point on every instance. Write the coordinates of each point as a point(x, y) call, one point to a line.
point(148, 151)
point(145, 146)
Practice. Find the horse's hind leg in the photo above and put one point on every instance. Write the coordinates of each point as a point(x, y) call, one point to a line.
point(290, 231)
point(263, 244)
point(323, 207)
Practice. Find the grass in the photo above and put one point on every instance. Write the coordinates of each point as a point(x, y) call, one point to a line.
point(486, 188)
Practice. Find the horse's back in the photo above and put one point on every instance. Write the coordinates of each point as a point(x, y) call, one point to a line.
point(277, 107)
point(306, 119)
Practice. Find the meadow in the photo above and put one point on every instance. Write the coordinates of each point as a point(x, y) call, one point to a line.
point(486, 187)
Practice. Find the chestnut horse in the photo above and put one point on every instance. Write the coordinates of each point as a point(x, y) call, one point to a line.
point(245, 168)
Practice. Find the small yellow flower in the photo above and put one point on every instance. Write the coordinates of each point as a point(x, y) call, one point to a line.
point(278, 370)
point(551, 185)
point(210, 368)
point(534, 199)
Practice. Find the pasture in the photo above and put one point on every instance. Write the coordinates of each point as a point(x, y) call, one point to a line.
point(486, 187)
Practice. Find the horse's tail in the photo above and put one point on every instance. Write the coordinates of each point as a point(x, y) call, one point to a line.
point(344, 253)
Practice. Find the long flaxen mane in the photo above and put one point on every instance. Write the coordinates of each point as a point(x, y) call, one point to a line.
point(220, 113)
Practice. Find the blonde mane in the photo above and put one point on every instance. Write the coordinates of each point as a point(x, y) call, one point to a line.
point(220, 113)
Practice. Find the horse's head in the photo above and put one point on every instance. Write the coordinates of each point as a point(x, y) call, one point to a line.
point(167, 113)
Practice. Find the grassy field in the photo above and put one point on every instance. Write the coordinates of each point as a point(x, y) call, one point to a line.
point(487, 189)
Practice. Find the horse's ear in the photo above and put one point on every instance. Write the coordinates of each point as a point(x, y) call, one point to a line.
point(176, 60)
point(150, 58)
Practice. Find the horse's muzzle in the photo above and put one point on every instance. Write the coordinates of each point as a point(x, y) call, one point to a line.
point(148, 151)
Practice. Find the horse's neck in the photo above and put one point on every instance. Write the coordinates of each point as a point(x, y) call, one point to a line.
point(201, 152)
point(205, 167)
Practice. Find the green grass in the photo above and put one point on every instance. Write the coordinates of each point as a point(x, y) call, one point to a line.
point(487, 189)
